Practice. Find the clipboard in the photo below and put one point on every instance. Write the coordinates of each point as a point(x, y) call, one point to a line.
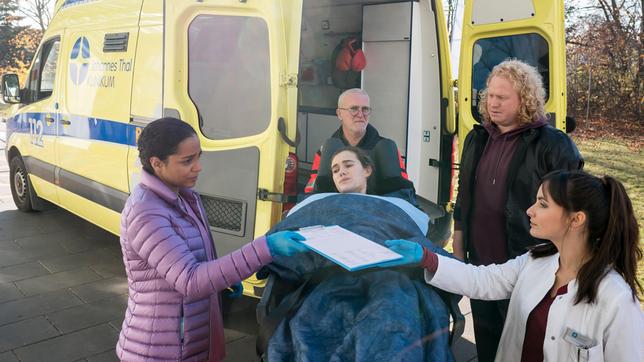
point(346, 248)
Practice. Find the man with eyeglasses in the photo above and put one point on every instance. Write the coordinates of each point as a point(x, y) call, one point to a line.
point(353, 111)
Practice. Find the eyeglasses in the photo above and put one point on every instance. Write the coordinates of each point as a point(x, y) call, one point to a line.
point(357, 109)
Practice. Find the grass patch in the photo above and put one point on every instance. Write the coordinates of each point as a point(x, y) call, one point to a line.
point(614, 157)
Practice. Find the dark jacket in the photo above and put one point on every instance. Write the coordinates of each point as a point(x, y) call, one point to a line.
point(374, 146)
point(539, 151)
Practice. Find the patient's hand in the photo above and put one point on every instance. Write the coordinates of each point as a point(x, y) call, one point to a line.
point(412, 253)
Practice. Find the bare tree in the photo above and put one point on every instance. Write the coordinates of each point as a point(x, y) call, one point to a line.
point(606, 60)
point(450, 15)
point(37, 11)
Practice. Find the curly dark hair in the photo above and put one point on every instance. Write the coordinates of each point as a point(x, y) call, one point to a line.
point(161, 139)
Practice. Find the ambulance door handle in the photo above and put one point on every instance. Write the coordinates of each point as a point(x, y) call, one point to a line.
point(65, 122)
point(281, 127)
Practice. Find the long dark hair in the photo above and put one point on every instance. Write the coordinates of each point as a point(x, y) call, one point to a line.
point(362, 157)
point(161, 139)
point(613, 233)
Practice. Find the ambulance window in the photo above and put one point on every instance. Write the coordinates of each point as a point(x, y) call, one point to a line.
point(229, 75)
point(488, 52)
point(49, 70)
point(43, 72)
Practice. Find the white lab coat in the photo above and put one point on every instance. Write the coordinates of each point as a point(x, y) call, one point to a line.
point(615, 322)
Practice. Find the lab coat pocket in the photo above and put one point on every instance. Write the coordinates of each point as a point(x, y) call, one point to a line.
point(581, 354)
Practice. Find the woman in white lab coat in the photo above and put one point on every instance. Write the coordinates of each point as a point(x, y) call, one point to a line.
point(573, 298)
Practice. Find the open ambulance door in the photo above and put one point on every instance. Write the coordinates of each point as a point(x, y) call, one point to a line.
point(226, 73)
point(495, 30)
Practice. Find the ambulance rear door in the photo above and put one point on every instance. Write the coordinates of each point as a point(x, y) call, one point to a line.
point(226, 73)
point(496, 30)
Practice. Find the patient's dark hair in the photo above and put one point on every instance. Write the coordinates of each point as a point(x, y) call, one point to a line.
point(161, 139)
point(361, 155)
point(613, 233)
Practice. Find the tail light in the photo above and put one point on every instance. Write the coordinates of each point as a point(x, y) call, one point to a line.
point(290, 181)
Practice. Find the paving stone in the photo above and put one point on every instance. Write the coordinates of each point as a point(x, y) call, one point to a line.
point(110, 269)
point(8, 291)
point(22, 271)
point(74, 225)
point(239, 351)
point(79, 260)
point(107, 356)
point(87, 315)
point(8, 357)
point(231, 335)
point(57, 281)
point(28, 251)
point(9, 245)
point(10, 215)
point(117, 323)
point(15, 257)
point(101, 289)
point(71, 347)
point(58, 220)
point(44, 239)
point(17, 229)
point(85, 243)
point(25, 332)
point(26, 308)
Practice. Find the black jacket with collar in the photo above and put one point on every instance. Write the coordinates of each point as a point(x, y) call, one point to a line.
point(539, 151)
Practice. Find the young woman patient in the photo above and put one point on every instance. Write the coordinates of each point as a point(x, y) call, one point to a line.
point(351, 169)
point(571, 298)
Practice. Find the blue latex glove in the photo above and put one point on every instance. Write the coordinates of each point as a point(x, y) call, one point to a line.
point(285, 243)
point(235, 291)
point(412, 253)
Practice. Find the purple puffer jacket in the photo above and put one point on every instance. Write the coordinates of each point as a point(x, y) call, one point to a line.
point(173, 310)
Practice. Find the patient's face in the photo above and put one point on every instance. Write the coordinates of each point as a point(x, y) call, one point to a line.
point(348, 173)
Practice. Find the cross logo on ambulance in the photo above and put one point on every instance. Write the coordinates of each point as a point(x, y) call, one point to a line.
point(79, 63)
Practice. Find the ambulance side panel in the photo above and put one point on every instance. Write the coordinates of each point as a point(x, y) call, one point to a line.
point(95, 112)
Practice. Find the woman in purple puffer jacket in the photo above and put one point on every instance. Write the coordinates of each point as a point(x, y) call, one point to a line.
point(174, 276)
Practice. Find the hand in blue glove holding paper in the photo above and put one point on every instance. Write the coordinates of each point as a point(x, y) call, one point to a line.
point(285, 243)
point(412, 253)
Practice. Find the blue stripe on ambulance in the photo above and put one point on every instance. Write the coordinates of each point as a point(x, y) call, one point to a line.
point(86, 128)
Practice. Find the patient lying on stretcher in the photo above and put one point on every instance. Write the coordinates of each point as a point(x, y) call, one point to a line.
point(377, 314)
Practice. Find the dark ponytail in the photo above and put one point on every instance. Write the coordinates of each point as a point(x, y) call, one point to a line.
point(613, 233)
point(161, 139)
point(619, 244)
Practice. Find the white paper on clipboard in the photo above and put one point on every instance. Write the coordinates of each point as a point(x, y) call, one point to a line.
point(346, 248)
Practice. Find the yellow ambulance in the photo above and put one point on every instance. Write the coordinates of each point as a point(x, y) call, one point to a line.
point(257, 80)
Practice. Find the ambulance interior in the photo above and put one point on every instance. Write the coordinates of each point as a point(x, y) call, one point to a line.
point(383, 29)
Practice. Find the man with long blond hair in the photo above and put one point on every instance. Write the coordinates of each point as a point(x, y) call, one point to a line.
point(501, 168)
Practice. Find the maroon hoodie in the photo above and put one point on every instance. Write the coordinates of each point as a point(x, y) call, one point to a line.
point(488, 243)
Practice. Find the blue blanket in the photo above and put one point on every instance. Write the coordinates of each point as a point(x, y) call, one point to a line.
point(373, 315)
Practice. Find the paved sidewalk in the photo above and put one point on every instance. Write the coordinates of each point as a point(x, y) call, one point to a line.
point(63, 288)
